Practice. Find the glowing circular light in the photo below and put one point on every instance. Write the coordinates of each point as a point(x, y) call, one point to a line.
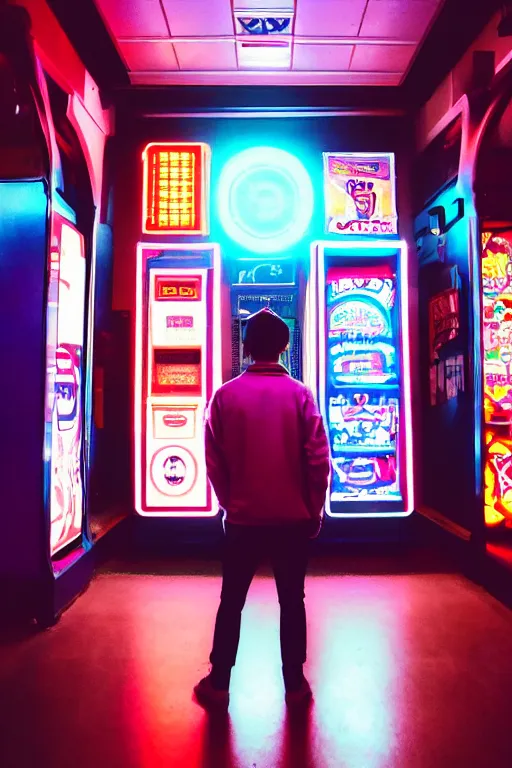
point(265, 199)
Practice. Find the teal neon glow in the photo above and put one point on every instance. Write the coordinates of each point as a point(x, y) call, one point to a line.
point(265, 199)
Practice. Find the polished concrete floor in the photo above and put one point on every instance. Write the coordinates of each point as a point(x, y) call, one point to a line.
point(409, 670)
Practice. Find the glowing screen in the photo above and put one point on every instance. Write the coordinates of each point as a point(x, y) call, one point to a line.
point(66, 323)
point(497, 342)
point(175, 188)
point(177, 370)
point(265, 199)
point(177, 289)
point(362, 383)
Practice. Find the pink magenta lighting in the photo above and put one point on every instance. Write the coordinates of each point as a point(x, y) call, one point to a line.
point(318, 262)
point(215, 353)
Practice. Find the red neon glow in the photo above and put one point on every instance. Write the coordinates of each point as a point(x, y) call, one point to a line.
point(183, 289)
point(175, 188)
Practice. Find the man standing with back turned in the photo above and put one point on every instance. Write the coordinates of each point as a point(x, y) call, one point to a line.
point(267, 457)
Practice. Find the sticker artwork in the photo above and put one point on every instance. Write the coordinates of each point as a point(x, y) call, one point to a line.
point(497, 343)
point(360, 194)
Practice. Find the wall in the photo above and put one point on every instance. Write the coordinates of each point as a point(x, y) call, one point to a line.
point(58, 57)
point(458, 82)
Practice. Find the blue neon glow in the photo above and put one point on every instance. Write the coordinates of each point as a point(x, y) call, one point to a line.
point(265, 199)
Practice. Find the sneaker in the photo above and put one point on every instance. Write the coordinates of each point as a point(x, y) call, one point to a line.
point(208, 696)
point(300, 695)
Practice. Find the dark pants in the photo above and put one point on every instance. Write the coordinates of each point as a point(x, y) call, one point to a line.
point(287, 546)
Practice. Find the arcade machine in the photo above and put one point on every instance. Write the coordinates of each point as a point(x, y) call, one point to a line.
point(45, 548)
point(496, 266)
point(265, 203)
point(178, 343)
point(362, 338)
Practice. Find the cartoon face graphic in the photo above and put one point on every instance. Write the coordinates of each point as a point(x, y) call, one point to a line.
point(174, 470)
point(365, 199)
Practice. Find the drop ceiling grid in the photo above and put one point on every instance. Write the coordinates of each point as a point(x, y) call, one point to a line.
point(370, 42)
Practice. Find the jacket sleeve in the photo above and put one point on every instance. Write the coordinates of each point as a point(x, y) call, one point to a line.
point(317, 459)
point(216, 465)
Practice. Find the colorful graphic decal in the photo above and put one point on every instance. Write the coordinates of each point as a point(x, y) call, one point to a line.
point(360, 194)
point(497, 342)
point(64, 417)
point(362, 384)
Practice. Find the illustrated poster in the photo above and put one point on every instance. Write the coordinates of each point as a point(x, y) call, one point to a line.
point(360, 196)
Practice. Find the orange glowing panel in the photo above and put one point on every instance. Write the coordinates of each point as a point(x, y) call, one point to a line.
point(175, 194)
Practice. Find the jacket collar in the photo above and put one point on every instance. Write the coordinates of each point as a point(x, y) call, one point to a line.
point(272, 369)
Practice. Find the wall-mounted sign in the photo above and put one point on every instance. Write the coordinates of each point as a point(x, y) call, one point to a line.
point(360, 194)
point(175, 192)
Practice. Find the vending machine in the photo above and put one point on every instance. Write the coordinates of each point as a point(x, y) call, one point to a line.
point(177, 369)
point(364, 376)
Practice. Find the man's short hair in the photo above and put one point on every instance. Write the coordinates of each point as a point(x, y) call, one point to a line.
point(266, 335)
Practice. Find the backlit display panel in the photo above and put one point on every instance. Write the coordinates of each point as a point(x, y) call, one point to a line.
point(64, 389)
point(176, 179)
point(178, 289)
point(362, 383)
point(497, 343)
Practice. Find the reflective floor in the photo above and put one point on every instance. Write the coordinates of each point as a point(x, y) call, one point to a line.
point(408, 670)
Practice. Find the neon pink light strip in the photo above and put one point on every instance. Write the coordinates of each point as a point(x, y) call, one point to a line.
point(318, 256)
point(139, 406)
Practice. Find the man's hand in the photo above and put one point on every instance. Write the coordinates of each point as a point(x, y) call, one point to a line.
point(315, 526)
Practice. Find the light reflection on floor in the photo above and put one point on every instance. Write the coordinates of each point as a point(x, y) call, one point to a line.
point(115, 677)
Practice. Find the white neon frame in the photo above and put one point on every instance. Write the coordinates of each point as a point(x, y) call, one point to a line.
point(204, 218)
point(216, 353)
point(318, 262)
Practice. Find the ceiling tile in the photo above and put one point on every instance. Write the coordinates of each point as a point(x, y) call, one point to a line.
point(149, 57)
point(329, 18)
point(137, 18)
point(328, 58)
point(382, 58)
point(263, 5)
point(398, 19)
point(206, 56)
point(199, 18)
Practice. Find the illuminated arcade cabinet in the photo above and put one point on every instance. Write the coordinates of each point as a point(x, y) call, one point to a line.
point(177, 361)
point(496, 267)
point(265, 203)
point(362, 341)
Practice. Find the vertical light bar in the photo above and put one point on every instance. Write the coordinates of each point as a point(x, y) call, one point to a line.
point(137, 398)
point(318, 248)
point(217, 320)
point(406, 369)
point(310, 348)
